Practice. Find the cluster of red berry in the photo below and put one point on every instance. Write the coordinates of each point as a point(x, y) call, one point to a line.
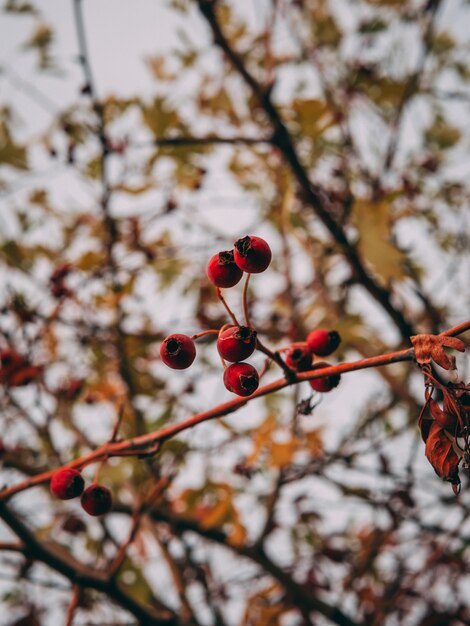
point(235, 343)
point(300, 356)
point(67, 483)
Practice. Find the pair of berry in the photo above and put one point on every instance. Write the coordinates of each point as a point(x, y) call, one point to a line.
point(67, 483)
point(234, 344)
point(250, 254)
point(300, 357)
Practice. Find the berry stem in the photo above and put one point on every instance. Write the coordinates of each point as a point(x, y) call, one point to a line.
point(96, 477)
point(294, 344)
point(205, 332)
point(227, 308)
point(264, 368)
point(245, 301)
point(289, 373)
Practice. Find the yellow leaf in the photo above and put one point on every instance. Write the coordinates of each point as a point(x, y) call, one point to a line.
point(315, 442)
point(375, 245)
point(134, 190)
point(91, 260)
point(313, 116)
point(441, 134)
point(325, 30)
point(157, 65)
point(11, 153)
point(217, 515)
point(282, 453)
point(159, 117)
point(93, 168)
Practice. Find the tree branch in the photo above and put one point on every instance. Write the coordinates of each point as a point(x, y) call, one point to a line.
point(150, 443)
point(61, 561)
point(312, 194)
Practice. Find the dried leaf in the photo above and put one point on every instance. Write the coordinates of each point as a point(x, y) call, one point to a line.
point(441, 454)
point(431, 347)
point(445, 419)
point(11, 153)
point(375, 244)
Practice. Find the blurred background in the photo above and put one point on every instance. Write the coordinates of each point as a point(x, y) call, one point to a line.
point(136, 141)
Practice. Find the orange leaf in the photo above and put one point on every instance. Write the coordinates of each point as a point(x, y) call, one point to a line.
point(431, 347)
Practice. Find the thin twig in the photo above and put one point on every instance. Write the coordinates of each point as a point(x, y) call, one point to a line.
point(245, 301)
point(227, 308)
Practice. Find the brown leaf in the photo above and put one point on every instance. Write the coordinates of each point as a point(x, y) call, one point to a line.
point(431, 347)
point(441, 454)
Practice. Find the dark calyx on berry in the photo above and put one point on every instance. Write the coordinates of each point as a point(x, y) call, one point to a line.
point(241, 378)
point(299, 358)
point(326, 383)
point(222, 270)
point(67, 484)
point(178, 351)
point(252, 254)
point(96, 500)
point(323, 342)
point(236, 343)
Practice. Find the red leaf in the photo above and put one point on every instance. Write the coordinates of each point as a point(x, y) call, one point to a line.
point(445, 419)
point(441, 454)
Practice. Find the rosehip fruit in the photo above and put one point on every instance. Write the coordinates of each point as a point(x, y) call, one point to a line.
point(222, 270)
point(323, 342)
point(236, 343)
point(299, 358)
point(326, 383)
point(241, 378)
point(252, 254)
point(96, 500)
point(67, 483)
point(178, 351)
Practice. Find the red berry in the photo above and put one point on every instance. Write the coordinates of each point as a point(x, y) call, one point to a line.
point(241, 378)
point(323, 342)
point(178, 351)
point(96, 500)
point(299, 357)
point(252, 254)
point(236, 343)
point(67, 483)
point(326, 383)
point(222, 270)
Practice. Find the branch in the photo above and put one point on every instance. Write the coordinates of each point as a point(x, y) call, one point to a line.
point(312, 194)
point(110, 227)
point(150, 443)
point(60, 560)
point(199, 141)
point(297, 593)
point(411, 88)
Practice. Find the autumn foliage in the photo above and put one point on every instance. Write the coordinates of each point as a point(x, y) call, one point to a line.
point(234, 313)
